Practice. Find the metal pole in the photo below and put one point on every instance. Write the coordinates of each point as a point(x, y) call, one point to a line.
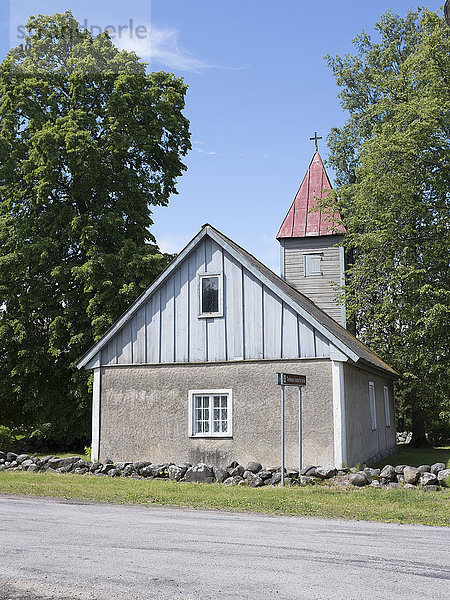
point(299, 429)
point(282, 435)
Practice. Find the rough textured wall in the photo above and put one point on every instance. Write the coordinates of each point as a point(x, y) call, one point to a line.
point(364, 444)
point(144, 413)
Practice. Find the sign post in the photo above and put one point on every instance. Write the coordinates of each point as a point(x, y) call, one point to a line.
point(299, 381)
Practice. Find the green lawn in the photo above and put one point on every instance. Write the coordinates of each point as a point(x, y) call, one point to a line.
point(391, 506)
point(415, 457)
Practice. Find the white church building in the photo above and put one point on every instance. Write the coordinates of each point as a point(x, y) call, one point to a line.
point(188, 373)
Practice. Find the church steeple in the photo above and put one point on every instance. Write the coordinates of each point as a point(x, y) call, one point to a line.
point(311, 260)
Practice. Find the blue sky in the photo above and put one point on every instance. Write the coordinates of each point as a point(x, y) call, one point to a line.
point(259, 88)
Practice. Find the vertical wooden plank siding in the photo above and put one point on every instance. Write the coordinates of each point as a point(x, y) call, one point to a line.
point(152, 316)
point(215, 327)
point(181, 313)
point(322, 345)
point(273, 310)
point(167, 322)
point(233, 307)
point(256, 322)
point(306, 335)
point(290, 337)
point(197, 327)
point(139, 340)
point(124, 345)
point(253, 317)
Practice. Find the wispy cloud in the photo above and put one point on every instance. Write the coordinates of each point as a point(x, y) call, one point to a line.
point(197, 146)
point(174, 242)
point(162, 46)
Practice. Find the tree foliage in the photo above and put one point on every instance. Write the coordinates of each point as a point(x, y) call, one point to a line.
point(392, 163)
point(88, 142)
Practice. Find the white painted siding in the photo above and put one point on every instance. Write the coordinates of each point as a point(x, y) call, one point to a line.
point(256, 323)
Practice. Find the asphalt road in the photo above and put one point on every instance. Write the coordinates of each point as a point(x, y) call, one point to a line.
point(55, 549)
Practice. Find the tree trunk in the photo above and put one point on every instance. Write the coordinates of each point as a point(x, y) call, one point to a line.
point(418, 430)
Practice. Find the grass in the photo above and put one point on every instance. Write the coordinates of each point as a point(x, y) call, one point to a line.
point(415, 457)
point(390, 506)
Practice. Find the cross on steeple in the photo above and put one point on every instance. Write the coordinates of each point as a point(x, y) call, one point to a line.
point(315, 138)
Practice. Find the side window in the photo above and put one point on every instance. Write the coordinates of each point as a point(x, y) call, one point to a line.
point(312, 264)
point(210, 295)
point(387, 411)
point(210, 413)
point(373, 410)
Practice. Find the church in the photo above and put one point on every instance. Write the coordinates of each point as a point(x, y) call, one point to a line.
point(189, 372)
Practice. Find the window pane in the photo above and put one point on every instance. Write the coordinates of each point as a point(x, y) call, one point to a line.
point(210, 294)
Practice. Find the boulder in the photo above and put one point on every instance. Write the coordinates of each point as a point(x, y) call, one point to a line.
point(242, 482)
point(80, 464)
point(431, 488)
point(376, 484)
point(220, 474)
point(409, 486)
point(95, 466)
point(359, 479)
point(107, 468)
point(146, 471)
point(141, 465)
point(372, 472)
point(437, 467)
point(80, 470)
point(306, 480)
point(388, 472)
point(274, 480)
point(54, 463)
point(69, 462)
point(429, 479)
point(2, 455)
point(253, 479)
point(121, 465)
point(254, 467)
point(411, 475)
point(32, 467)
point(10, 456)
point(232, 465)
point(26, 463)
point(21, 458)
point(114, 472)
point(264, 474)
point(325, 472)
point(175, 473)
point(424, 469)
point(233, 480)
point(292, 473)
point(393, 485)
point(160, 471)
point(305, 470)
point(400, 479)
point(238, 470)
point(128, 470)
point(200, 473)
point(444, 477)
point(399, 469)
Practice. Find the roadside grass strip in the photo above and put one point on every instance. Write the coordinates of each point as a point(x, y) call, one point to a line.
point(369, 504)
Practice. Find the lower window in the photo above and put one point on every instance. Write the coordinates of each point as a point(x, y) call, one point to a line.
point(210, 413)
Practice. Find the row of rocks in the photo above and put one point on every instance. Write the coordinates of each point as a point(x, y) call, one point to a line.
point(429, 477)
point(404, 437)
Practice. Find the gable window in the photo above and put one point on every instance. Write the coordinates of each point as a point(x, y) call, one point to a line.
point(312, 264)
point(387, 410)
point(210, 413)
point(373, 410)
point(210, 295)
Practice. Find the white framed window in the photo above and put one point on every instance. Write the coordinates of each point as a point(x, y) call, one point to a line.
point(210, 413)
point(210, 295)
point(312, 264)
point(387, 410)
point(373, 408)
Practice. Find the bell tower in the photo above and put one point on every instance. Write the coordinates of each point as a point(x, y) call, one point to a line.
point(311, 259)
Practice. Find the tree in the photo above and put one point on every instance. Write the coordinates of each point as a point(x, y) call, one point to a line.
point(392, 163)
point(88, 143)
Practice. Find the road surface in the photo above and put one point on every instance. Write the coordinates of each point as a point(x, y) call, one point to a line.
point(86, 551)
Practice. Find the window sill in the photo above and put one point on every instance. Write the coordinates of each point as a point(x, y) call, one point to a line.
point(210, 436)
point(210, 315)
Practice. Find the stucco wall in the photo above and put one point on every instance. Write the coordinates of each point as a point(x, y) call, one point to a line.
point(144, 413)
point(363, 444)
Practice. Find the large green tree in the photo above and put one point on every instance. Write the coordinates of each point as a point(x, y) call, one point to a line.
point(88, 143)
point(391, 158)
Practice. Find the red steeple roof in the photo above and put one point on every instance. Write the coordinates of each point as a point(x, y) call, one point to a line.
point(299, 222)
